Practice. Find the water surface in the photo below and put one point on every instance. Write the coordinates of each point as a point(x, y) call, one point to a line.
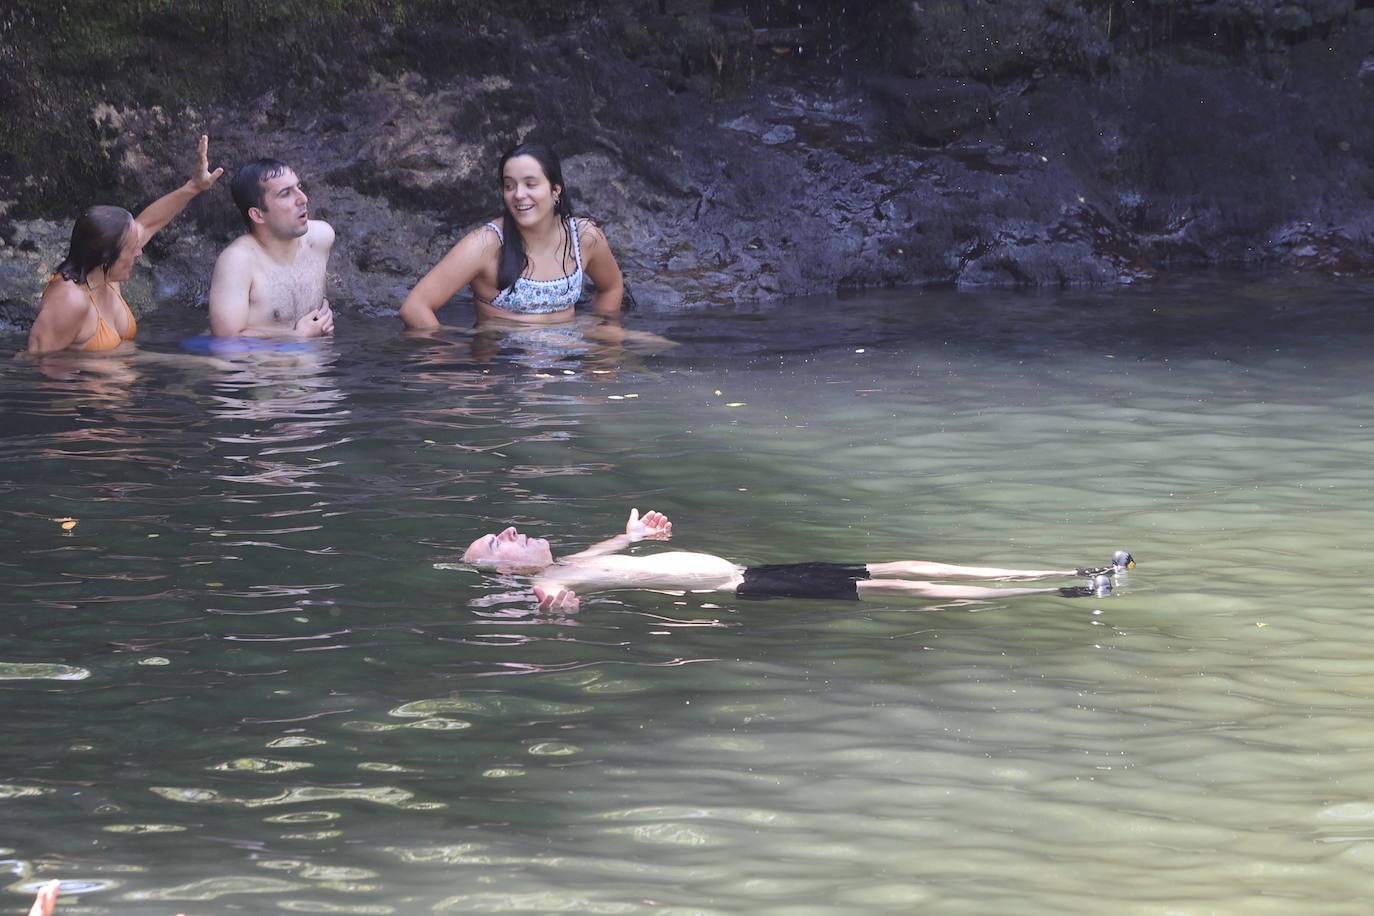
point(243, 672)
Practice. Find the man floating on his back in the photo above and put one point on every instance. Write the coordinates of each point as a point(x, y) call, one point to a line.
point(601, 567)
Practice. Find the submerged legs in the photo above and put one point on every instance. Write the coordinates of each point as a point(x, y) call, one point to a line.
point(939, 590)
point(919, 568)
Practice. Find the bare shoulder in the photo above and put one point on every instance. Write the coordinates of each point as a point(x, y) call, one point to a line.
point(482, 243)
point(241, 252)
point(589, 231)
point(63, 298)
point(484, 236)
point(63, 312)
point(320, 233)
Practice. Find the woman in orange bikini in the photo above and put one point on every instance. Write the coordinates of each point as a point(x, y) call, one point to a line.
point(82, 307)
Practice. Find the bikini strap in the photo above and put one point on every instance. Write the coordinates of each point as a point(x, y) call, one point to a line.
point(497, 229)
point(573, 225)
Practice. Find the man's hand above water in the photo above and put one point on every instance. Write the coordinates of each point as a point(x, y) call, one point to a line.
point(654, 526)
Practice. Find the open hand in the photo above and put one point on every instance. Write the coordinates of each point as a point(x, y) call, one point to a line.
point(202, 178)
point(654, 526)
point(556, 599)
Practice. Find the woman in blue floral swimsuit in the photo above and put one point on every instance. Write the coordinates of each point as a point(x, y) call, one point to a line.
point(530, 267)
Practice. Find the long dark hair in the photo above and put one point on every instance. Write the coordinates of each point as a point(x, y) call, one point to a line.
point(97, 237)
point(514, 261)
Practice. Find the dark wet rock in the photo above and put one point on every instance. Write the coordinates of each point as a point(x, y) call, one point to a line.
point(932, 111)
point(732, 159)
point(26, 262)
point(1330, 249)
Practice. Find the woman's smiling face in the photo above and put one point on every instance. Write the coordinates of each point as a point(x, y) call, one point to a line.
point(529, 196)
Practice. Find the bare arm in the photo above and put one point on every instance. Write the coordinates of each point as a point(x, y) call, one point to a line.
point(600, 264)
point(653, 526)
point(163, 210)
point(320, 321)
point(555, 595)
point(463, 262)
point(229, 288)
point(62, 316)
point(46, 899)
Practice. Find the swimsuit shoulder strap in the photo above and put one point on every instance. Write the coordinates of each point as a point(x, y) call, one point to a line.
point(497, 229)
point(575, 226)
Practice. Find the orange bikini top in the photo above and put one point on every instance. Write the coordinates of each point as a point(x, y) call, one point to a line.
point(105, 336)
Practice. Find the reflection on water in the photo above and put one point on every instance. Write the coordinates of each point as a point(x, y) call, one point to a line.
point(280, 405)
point(243, 670)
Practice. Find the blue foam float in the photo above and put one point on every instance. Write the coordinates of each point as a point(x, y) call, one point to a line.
point(209, 345)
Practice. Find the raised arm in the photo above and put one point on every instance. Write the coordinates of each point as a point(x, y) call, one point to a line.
point(161, 211)
point(599, 262)
point(463, 262)
point(654, 526)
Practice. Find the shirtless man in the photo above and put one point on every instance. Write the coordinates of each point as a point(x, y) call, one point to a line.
point(270, 282)
point(602, 567)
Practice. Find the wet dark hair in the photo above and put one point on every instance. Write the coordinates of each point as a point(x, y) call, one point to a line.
point(249, 186)
point(514, 261)
point(97, 238)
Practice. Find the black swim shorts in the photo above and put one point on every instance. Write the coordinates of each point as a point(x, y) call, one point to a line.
point(803, 580)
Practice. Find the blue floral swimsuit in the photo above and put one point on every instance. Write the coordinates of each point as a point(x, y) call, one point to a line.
point(541, 297)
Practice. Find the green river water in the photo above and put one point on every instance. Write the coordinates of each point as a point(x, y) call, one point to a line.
point(243, 672)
